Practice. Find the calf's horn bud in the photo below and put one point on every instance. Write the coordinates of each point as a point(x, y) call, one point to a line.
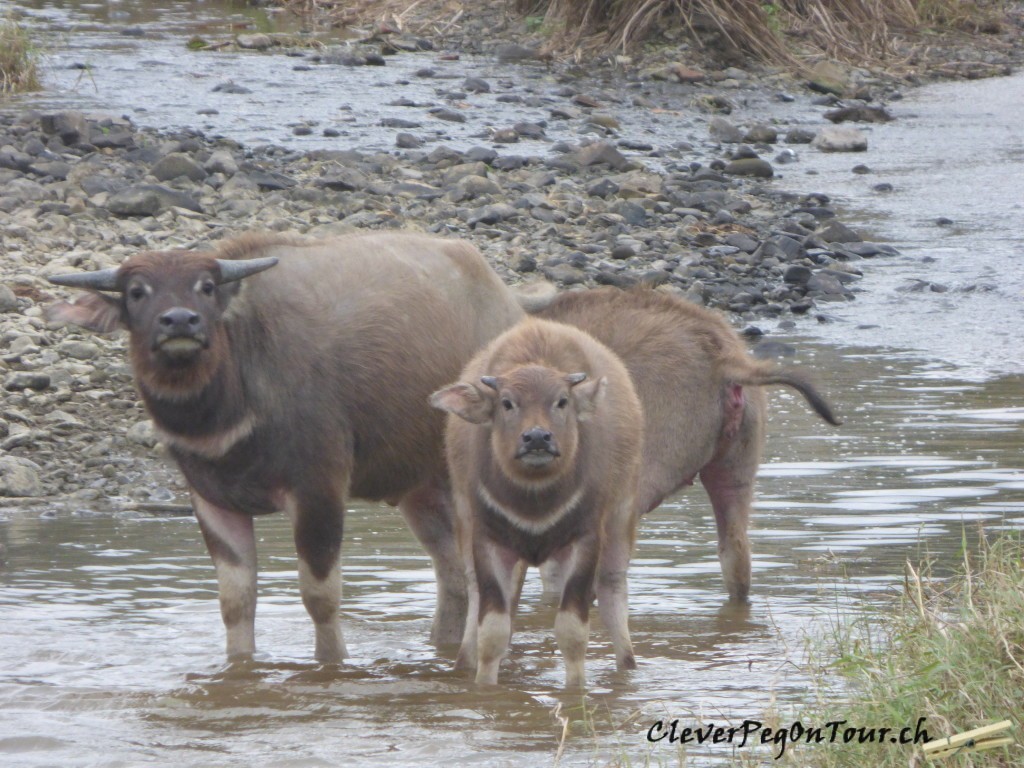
point(100, 280)
point(490, 381)
point(231, 271)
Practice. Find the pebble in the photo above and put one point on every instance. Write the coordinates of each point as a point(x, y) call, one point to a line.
point(591, 212)
point(8, 300)
point(840, 139)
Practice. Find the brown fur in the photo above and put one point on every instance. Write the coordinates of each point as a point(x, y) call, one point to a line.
point(595, 425)
point(702, 397)
point(315, 382)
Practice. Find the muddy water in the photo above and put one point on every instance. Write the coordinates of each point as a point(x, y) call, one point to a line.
point(111, 651)
point(954, 158)
point(110, 638)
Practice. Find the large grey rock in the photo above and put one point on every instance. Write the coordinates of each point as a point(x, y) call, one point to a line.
point(26, 380)
point(71, 127)
point(178, 164)
point(19, 477)
point(148, 200)
point(837, 232)
point(142, 433)
point(221, 161)
point(837, 138)
point(8, 301)
point(750, 166)
point(722, 130)
point(254, 42)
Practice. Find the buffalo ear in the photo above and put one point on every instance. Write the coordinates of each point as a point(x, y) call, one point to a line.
point(586, 395)
point(466, 401)
point(94, 311)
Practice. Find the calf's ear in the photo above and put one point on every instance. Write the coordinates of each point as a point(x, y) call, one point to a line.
point(94, 311)
point(466, 401)
point(586, 395)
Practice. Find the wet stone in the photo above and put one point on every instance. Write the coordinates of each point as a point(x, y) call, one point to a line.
point(449, 115)
point(840, 139)
point(761, 134)
point(837, 232)
point(799, 136)
point(750, 166)
point(408, 141)
point(722, 130)
point(476, 85)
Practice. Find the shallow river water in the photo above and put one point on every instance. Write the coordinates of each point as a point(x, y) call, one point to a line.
point(110, 636)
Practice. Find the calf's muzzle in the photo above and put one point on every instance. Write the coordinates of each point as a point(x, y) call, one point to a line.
point(537, 446)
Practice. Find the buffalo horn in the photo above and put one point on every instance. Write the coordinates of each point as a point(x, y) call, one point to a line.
point(235, 270)
point(100, 280)
point(575, 378)
point(490, 381)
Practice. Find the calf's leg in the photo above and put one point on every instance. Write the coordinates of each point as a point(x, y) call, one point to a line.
point(612, 586)
point(231, 543)
point(496, 570)
point(572, 623)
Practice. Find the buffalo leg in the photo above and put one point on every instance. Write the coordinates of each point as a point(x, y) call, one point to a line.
point(429, 513)
point(496, 571)
point(729, 482)
point(552, 577)
point(612, 584)
point(317, 518)
point(231, 543)
point(572, 623)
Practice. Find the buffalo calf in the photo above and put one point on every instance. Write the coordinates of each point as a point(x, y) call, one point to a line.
point(543, 446)
point(289, 375)
point(703, 402)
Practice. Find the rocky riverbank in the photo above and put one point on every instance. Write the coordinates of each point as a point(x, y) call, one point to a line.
point(599, 205)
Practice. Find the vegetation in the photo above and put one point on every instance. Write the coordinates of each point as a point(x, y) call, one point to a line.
point(953, 652)
point(18, 59)
point(774, 31)
point(791, 33)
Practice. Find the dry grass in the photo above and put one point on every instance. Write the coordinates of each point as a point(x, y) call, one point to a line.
point(787, 32)
point(952, 652)
point(781, 31)
point(18, 59)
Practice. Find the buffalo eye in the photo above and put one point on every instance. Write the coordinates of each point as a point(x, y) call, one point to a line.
point(137, 293)
point(507, 404)
point(563, 401)
point(208, 287)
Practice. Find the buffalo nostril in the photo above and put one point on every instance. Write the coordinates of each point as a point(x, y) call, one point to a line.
point(179, 317)
point(537, 437)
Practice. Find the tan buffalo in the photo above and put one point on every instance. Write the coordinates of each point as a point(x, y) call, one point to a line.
point(291, 375)
point(703, 402)
point(544, 450)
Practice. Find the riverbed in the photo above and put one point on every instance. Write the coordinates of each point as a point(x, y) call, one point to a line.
point(111, 651)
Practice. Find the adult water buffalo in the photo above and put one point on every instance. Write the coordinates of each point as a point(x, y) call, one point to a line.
point(704, 406)
point(295, 388)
